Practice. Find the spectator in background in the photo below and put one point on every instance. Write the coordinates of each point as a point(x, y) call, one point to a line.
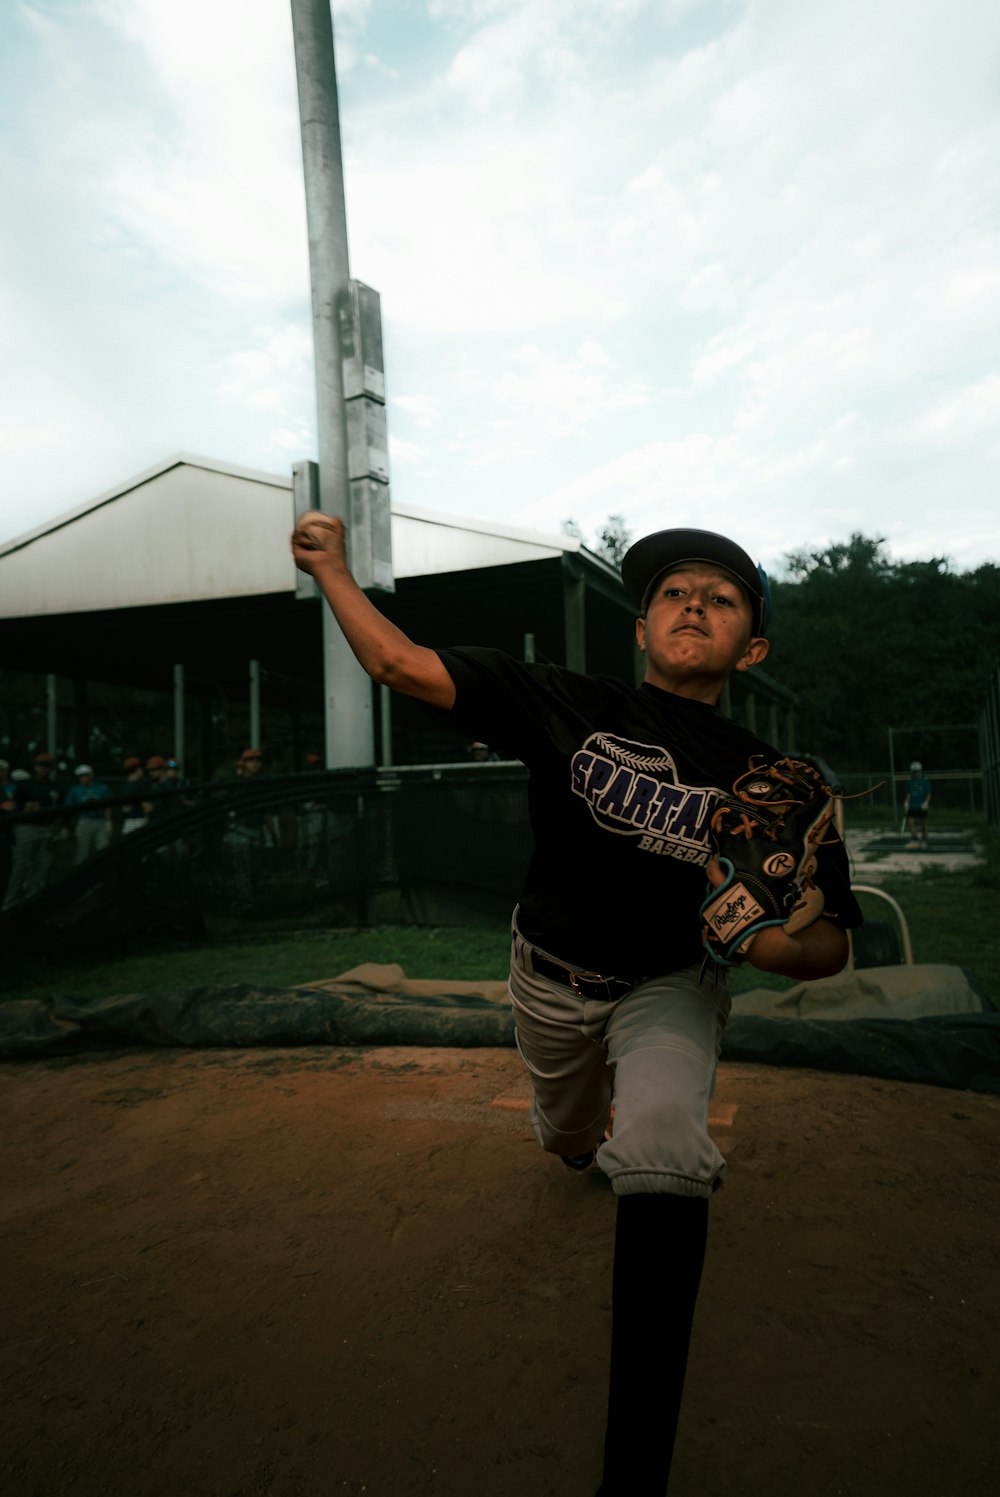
point(43, 770)
point(156, 767)
point(31, 860)
point(133, 815)
point(180, 782)
point(252, 761)
point(918, 800)
point(89, 799)
point(251, 833)
point(172, 776)
point(481, 753)
point(171, 780)
point(310, 821)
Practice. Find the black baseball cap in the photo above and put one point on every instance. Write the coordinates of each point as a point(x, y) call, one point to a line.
point(655, 554)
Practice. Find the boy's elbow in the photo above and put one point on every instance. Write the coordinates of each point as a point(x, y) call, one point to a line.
point(835, 949)
point(418, 674)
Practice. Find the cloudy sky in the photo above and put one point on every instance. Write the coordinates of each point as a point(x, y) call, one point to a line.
point(727, 263)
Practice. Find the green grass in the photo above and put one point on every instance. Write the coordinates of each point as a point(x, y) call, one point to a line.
point(472, 952)
point(951, 920)
point(951, 917)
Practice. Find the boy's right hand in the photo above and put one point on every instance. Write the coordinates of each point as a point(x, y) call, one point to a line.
point(319, 541)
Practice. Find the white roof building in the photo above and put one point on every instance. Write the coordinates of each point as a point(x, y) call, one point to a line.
point(187, 567)
point(192, 529)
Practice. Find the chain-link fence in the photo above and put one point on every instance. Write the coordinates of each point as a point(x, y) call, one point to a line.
point(957, 795)
point(434, 845)
point(425, 845)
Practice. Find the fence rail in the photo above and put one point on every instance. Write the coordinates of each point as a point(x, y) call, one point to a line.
point(431, 845)
point(424, 845)
point(955, 793)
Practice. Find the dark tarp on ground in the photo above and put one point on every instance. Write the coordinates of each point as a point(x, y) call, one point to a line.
point(957, 1050)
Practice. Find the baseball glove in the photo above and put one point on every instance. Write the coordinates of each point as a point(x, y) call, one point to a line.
point(765, 834)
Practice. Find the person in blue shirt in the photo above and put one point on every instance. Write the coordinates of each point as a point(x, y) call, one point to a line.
point(34, 841)
point(918, 799)
point(93, 819)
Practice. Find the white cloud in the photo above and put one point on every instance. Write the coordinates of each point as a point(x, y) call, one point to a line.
point(418, 410)
point(561, 395)
point(632, 256)
point(260, 378)
point(970, 410)
point(406, 453)
point(295, 440)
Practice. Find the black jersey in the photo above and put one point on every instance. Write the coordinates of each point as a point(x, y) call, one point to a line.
point(624, 781)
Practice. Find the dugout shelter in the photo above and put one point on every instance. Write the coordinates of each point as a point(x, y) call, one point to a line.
point(166, 615)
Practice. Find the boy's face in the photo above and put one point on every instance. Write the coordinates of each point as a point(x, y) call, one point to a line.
point(697, 631)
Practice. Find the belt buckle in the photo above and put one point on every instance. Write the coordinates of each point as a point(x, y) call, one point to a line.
point(574, 978)
point(590, 978)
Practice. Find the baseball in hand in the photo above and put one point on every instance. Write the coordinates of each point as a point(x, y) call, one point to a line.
point(318, 536)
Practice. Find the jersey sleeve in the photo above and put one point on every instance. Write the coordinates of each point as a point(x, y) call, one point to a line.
point(833, 874)
point(506, 702)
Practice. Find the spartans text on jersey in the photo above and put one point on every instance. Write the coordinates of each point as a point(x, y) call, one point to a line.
point(633, 789)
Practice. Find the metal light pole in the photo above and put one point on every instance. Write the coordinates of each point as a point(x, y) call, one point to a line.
point(350, 725)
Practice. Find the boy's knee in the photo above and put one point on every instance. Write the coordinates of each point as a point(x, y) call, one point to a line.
point(661, 1145)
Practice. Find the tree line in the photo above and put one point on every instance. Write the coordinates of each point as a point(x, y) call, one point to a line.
point(868, 643)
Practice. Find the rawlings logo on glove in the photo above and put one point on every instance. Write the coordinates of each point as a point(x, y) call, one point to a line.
point(765, 834)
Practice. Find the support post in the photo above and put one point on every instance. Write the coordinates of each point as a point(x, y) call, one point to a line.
point(385, 709)
point(575, 620)
point(255, 705)
point(81, 746)
point(51, 713)
point(206, 751)
point(179, 715)
point(347, 698)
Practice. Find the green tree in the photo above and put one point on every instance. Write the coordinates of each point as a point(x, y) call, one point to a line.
point(868, 643)
point(613, 539)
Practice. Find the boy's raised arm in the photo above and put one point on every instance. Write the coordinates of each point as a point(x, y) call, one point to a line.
point(388, 655)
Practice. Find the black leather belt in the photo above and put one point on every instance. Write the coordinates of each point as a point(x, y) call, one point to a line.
point(584, 984)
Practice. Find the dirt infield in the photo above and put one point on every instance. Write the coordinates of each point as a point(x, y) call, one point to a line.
point(336, 1272)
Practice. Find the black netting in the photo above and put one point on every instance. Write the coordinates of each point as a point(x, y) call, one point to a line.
point(442, 846)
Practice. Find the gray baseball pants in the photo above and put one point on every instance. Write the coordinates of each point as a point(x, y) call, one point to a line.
point(654, 1052)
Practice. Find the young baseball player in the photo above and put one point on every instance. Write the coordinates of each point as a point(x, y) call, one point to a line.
point(606, 975)
point(918, 799)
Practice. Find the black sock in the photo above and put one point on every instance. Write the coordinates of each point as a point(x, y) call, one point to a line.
point(659, 1252)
